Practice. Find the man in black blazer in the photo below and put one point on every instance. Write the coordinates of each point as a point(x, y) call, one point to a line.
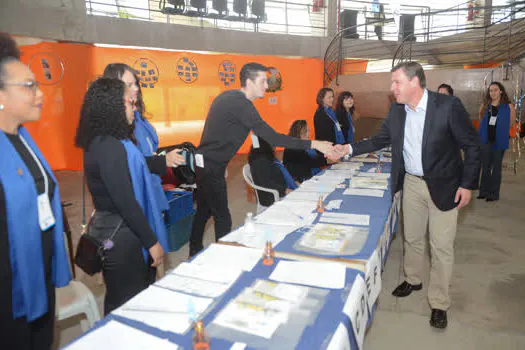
point(427, 131)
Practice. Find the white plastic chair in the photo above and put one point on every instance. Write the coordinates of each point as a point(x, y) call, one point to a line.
point(246, 172)
point(76, 299)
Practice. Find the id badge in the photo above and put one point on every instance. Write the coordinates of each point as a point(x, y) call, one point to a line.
point(255, 141)
point(46, 219)
point(492, 120)
point(199, 160)
point(338, 126)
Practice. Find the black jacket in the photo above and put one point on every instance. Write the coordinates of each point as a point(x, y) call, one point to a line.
point(267, 174)
point(300, 165)
point(447, 130)
point(342, 118)
point(323, 126)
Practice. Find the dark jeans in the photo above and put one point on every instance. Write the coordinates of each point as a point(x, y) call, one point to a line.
point(124, 270)
point(491, 171)
point(212, 200)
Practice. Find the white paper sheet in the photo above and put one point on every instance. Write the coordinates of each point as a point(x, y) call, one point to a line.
point(364, 192)
point(356, 309)
point(345, 219)
point(170, 322)
point(334, 204)
point(229, 257)
point(345, 166)
point(289, 212)
point(238, 346)
point(373, 175)
point(116, 335)
point(340, 339)
point(209, 272)
point(193, 285)
point(364, 160)
point(373, 279)
point(258, 238)
point(156, 299)
point(317, 274)
point(364, 182)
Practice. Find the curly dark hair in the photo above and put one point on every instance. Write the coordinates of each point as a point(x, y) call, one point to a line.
point(116, 71)
point(103, 113)
point(297, 128)
point(340, 99)
point(8, 52)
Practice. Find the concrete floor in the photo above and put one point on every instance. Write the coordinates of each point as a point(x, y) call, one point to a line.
point(488, 284)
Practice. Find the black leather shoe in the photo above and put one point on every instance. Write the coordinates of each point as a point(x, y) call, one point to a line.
point(405, 288)
point(491, 199)
point(438, 319)
point(481, 197)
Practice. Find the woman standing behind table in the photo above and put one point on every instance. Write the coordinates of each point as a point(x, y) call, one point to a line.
point(122, 190)
point(33, 259)
point(497, 115)
point(326, 125)
point(144, 132)
point(302, 164)
point(346, 115)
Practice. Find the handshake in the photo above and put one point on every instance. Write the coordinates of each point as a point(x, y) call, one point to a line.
point(332, 152)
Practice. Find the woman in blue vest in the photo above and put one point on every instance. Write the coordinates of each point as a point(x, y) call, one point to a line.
point(497, 115)
point(33, 259)
point(346, 115)
point(127, 216)
point(144, 132)
point(268, 171)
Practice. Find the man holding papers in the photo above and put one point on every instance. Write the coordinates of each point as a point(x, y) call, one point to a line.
point(427, 131)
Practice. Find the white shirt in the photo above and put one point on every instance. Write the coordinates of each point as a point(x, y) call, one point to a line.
point(413, 143)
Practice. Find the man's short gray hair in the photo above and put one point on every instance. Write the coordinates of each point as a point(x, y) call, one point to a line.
point(412, 69)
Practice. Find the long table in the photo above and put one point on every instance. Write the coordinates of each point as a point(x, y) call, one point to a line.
point(345, 314)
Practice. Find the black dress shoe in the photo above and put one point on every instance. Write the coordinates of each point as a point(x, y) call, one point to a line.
point(405, 288)
point(481, 197)
point(438, 319)
point(491, 199)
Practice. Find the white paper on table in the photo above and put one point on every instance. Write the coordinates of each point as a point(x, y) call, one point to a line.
point(346, 219)
point(386, 159)
point(262, 233)
point(334, 204)
point(363, 182)
point(238, 346)
point(209, 272)
point(340, 340)
point(373, 279)
point(302, 196)
point(156, 299)
point(356, 309)
point(364, 160)
point(194, 285)
point(372, 170)
point(170, 322)
point(361, 156)
point(364, 192)
point(317, 274)
point(373, 175)
point(116, 335)
point(229, 257)
point(289, 213)
point(345, 166)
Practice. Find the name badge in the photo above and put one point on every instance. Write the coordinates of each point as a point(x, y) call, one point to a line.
point(46, 219)
point(338, 126)
point(199, 160)
point(255, 141)
point(492, 120)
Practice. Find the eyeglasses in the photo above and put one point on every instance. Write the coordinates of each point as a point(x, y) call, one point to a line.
point(30, 84)
point(132, 102)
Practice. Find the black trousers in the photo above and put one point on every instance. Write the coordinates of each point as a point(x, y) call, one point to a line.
point(124, 270)
point(22, 335)
point(492, 161)
point(212, 200)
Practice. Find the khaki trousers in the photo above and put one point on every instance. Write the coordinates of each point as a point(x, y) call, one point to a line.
point(419, 212)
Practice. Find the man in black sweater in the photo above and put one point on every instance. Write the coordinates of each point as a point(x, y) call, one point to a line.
point(231, 117)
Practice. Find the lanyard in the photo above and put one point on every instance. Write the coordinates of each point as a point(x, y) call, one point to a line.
point(46, 181)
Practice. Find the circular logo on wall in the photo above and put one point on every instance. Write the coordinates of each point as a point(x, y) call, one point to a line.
point(187, 70)
point(47, 68)
point(147, 72)
point(227, 73)
point(275, 80)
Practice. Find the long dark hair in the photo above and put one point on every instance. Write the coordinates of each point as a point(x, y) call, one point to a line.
point(342, 97)
point(8, 52)
point(504, 99)
point(116, 71)
point(264, 150)
point(103, 113)
point(297, 128)
point(320, 96)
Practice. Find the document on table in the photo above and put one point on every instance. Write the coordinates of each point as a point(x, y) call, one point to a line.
point(262, 233)
point(226, 257)
point(373, 175)
point(290, 212)
point(364, 192)
point(364, 160)
point(116, 335)
point(210, 272)
point(317, 274)
point(193, 285)
point(364, 182)
point(165, 321)
point(345, 166)
point(345, 219)
point(332, 239)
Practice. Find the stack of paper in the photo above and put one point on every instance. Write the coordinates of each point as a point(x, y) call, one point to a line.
point(364, 192)
point(345, 219)
point(317, 274)
point(333, 239)
point(368, 182)
point(263, 232)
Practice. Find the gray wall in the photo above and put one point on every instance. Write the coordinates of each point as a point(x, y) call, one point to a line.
point(66, 20)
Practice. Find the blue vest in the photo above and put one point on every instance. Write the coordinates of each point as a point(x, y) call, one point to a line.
point(25, 236)
point(148, 143)
point(144, 191)
point(502, 127)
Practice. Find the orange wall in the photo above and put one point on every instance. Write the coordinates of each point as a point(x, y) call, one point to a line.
point(175, 108)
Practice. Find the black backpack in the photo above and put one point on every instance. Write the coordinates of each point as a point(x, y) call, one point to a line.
point(185, 173)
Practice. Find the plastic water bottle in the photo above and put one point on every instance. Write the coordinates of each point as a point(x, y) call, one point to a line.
point(249, 224)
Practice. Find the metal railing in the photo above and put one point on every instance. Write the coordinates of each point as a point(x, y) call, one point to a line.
point(297, 17)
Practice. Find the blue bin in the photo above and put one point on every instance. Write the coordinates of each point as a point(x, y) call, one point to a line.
point(179, 232)
point(180, 205)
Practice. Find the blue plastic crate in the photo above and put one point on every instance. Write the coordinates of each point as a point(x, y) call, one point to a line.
point(180, 205)
point(179, 232)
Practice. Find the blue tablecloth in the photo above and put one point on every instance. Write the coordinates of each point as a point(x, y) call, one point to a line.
point(316, 336)
point(378, 209)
